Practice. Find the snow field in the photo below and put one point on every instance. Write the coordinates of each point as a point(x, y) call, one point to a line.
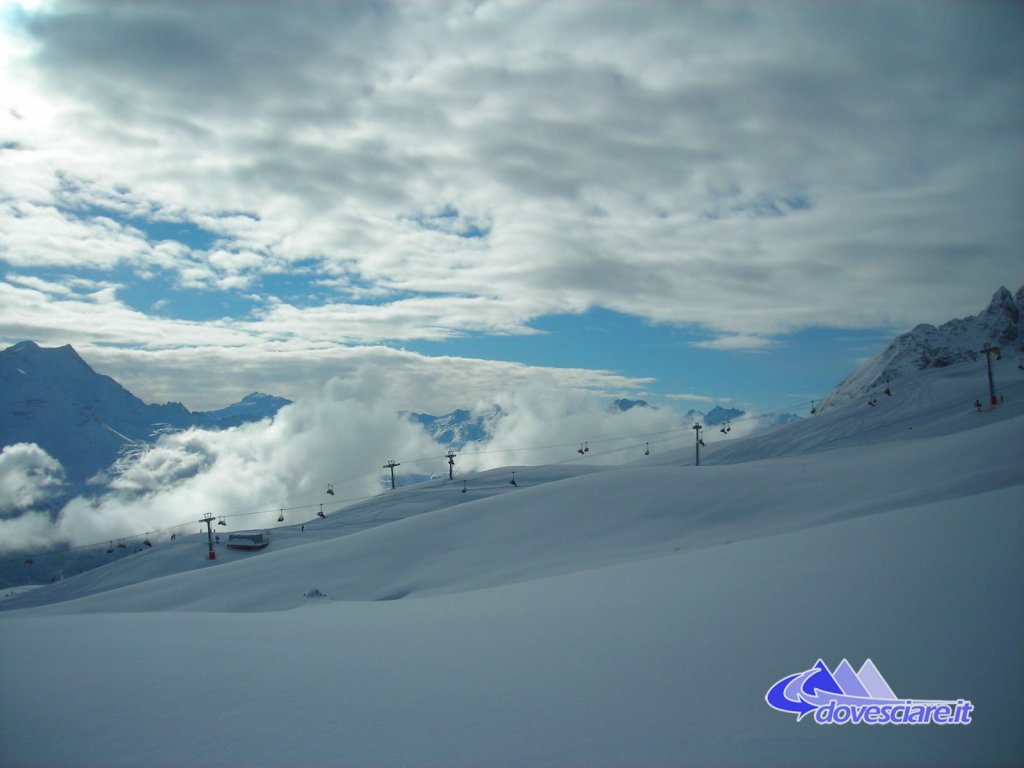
point(662, 661)
point(631, 616)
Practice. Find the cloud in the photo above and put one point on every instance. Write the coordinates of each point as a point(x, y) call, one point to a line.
point(38, 284)
point(286, 351)
point(442, 169)
point(28, 476)
point(342, 437)
point(29, 530)
point(696, 398)
point(91, 312)
point(736, 343)
point(763, 137)
point(540, 422)
point(410, 381)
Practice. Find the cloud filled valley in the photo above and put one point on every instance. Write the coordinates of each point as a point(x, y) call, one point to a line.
point(341, 438)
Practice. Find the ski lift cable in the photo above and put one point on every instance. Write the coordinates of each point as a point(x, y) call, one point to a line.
point(550, 446)
point(264, 511)
point(351, 499)
point(340, 502)
point(354, 499)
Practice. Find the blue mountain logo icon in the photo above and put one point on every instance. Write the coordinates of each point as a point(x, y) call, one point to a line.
point(841, 696)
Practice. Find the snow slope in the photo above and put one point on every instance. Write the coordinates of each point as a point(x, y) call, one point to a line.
point(1001, 324)
point(924, 403)
point(627, 616)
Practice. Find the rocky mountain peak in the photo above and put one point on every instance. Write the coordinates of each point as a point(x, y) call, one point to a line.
point(1000, 324)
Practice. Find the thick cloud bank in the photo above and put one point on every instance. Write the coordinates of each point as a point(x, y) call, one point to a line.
point(342, 439)
point(29, 476)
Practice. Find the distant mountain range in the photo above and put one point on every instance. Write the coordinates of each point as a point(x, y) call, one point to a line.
point(457, 428)
point(723, 417)
point(88, 421)
point(53, 398)
point(1001, 324)
point(624, 405)
point(719, 415)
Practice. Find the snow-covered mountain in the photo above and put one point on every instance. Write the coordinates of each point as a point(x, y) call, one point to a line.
point(723, 417)
point(53, 398)
point(1001, 324)
point(255, 406)
point(457, 427)
point(461, 426)
point(624, 404)
point(719, 415)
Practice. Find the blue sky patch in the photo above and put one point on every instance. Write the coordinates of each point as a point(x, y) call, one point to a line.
point(452, 222)
point(156, 230)
point(800, 367)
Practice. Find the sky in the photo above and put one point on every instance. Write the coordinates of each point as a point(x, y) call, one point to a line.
point(689, 203)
